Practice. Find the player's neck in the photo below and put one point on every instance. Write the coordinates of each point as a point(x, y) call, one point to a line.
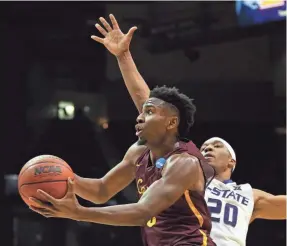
point(163, 149)
point(222, 177)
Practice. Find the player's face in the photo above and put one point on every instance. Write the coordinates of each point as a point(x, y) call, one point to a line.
point(217, 155)
point(152, 123)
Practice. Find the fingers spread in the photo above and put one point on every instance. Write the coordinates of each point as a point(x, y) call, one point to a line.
point(106, 24)
point(41, 204)
point(101, 30)
point(98, 39)
point(131, 32)
point(47, 197)
point(114, 22)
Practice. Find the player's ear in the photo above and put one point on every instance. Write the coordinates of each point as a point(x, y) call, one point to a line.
point(173, 122)
point(231, 164)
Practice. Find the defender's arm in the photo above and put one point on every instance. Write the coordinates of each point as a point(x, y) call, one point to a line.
point(268, 206)
point(136, 85)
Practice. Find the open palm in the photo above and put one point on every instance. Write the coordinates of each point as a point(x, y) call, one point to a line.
point(114, 39)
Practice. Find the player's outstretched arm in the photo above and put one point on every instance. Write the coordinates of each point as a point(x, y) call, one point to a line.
point(101, 190)
point(136, 85)
point(268, 206)
point(178, 176)
point(118, 44)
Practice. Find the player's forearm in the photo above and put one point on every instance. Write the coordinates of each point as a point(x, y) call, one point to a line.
point(119, 215)
point(136, 85)
point(90, 189)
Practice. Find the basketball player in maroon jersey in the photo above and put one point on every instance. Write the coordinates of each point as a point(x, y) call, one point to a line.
point(266, 206)
point(170, 173)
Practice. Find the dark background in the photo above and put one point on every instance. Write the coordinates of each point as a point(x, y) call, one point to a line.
point(236, 75)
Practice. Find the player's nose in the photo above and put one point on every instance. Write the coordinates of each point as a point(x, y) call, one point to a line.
point(140, 119)
point(208, 148)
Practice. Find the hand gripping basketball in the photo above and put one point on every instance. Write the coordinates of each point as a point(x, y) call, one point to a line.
point(67, 207)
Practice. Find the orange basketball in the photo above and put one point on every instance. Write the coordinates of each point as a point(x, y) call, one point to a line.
point(46, 172)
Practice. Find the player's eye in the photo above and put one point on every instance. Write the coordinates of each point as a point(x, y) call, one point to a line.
point(149, 111)
point(217, 146)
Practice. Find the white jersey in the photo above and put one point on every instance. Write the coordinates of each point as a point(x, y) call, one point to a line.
point(231, 208)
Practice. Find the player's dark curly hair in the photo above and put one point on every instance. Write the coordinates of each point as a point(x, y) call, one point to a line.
point(183, 103)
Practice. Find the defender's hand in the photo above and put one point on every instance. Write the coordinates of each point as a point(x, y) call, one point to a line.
point(114, 39)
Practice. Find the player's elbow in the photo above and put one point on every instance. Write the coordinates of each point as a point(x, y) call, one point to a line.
point(143, 221)
point(144, 216)
point(101, 194)
point(99, 200)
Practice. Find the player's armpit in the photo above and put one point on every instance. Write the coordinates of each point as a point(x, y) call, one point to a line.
point(179, 175)
point(268, 206)
point(101, 190)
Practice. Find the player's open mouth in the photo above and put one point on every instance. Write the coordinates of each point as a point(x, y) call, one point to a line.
point(138, 132)
point(139, 129)
point(207, 156)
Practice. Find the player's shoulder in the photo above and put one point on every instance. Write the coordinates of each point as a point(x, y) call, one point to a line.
point(232, 184)
point(244, 188)
point(258, 194)
point(183, 157)
point(135, 151)
point(137, 146)
point(244, 185)
point(182, 162)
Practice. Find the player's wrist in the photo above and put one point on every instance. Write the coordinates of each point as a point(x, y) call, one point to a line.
point(124, 56)
point(83, 213)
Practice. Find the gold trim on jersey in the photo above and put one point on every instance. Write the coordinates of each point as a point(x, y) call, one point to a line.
point(197, 214)
point(204, 240)
point(193, 208)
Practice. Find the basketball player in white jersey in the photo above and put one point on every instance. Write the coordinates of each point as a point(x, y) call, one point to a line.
point(232, 206)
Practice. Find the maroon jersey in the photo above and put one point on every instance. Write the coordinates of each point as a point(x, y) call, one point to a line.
point(187, 221)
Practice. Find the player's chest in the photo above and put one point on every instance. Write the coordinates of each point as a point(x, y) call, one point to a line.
point(228, 205)
point(145, 177)
point(232, 194)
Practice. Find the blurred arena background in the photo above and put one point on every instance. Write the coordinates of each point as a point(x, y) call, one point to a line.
point(63, 94)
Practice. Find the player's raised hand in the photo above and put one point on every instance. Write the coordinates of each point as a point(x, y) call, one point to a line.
point(114, 39)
